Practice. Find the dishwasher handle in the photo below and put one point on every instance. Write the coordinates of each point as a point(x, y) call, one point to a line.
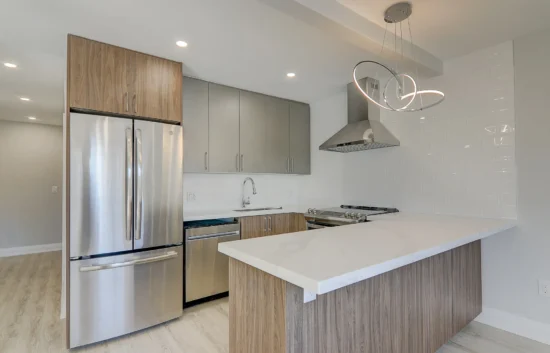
point(214, 235)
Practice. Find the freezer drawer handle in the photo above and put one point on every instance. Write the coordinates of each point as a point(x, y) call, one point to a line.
point(215, 235)
point(167, 256)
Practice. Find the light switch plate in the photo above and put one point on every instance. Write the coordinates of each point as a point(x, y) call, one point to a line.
point(191, 197)
point(544, 288)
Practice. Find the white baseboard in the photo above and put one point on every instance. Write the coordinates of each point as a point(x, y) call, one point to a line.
point(518, 325)
point(24, 250)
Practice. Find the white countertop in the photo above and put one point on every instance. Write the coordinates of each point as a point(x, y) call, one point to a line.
point(202, 215)
point(326, 259)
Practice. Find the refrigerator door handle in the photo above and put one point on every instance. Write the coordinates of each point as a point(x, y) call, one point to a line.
point(169, 255)
point(129, 187)
point(139, 186)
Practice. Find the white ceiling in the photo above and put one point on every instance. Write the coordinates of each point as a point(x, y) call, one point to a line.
point(243, 43)
point(249, 44)
point(451, 28)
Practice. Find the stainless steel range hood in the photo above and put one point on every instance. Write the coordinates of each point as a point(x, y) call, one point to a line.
point(364, 130)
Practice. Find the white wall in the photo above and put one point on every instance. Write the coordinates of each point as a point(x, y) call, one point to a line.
point(522, 256)
point(325, 186)
point(455, 158)
point(224, 191)
point(30, 164)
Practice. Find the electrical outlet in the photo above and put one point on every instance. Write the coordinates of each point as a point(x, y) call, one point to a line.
point(54, 189)
point(191, 197)
point(544, 288)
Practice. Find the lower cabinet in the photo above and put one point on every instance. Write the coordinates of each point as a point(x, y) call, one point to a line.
point(253, 227)
point(261, 226)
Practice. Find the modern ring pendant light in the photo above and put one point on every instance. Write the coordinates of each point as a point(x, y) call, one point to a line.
point(396, 14)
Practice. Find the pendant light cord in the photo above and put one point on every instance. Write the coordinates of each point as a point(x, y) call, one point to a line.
point(414, 58)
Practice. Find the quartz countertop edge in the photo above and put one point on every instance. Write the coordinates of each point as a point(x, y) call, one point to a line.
point(268, 254)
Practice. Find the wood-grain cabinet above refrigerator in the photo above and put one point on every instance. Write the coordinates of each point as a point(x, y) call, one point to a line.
point(107, 79)
point(227, 130)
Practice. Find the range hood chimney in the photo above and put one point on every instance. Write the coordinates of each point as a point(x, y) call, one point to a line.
point(364, 130)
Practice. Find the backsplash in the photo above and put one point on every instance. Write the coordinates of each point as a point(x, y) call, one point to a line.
point(224, 191)
point(456, 158)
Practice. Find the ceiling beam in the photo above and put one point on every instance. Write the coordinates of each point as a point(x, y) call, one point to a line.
point(344, 24)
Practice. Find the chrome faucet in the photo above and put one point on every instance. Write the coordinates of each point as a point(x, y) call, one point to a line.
point(246, 201)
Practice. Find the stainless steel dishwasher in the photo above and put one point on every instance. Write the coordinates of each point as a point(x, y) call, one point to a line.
point(206, 269)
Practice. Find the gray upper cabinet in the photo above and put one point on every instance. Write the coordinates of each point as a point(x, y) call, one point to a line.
point(300, 155)
point(254, 111)
point(195, 125)
point(277, 136)
point(223, 146)
point(227, 130)
point(264, 136)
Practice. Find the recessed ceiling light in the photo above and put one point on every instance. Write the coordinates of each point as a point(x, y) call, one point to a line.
point(181, 44)
point(32, 118)
point(10, 65)
point(25, 99)
point(291, 74)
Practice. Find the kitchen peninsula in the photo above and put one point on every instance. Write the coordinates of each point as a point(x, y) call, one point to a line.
point(401, 283)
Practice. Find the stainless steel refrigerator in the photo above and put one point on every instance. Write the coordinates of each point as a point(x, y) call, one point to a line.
point(126, 226)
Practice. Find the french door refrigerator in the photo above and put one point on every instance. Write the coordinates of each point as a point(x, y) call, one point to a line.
point(126, 226)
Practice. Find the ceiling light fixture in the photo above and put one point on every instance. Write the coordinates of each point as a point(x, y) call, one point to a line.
point(32, 118)
point(10, 65)
point(291, 74)
point(396, 14)
point(181, 44)
point(25, 99)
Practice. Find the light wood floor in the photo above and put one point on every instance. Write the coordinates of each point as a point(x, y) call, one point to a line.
point(29, 320)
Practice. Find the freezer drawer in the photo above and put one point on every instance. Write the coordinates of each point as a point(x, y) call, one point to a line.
point(206, 269)
point(116, 295)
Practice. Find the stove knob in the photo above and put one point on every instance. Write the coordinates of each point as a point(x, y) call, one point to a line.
point(309, 210)
point(347, 215)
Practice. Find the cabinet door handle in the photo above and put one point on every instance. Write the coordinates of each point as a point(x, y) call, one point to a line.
point(269, 223)
point(242, 164)
point(237, 162)
point(205, 160)
point(288, 165)
point(292, 165)
point(126, 100)
point(265, 224)
point(134, 103)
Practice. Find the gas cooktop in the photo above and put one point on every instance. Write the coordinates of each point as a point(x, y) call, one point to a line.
point(345, 214)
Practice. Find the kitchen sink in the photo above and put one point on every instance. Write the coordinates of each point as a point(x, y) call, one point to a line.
point(258, 209)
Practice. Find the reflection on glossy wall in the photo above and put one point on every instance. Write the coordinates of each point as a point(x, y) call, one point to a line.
point(456, 158)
